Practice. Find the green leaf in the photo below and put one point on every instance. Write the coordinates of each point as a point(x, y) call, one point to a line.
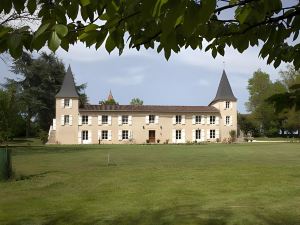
point(110, 44)
point(19, 5)
point(14, 40)
point(4, 30)
point(100, 38)
point(243, 13)
point(157, 7)
point(6, 5)
point(85, 2)
point(167, 53)
point(40, 41)
point(31, 6)
point(72, 10)
point(61, 30)
point(214, 52)
point(91, 27)
point(54, 41)
point(41, 30)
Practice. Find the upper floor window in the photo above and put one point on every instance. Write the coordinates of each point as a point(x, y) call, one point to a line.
point(151, 118)
point(227, 105)
point(212, 119)
point(125, 134)
point(198, 119)
point(212, 134)
point(104, 119)
point(66, 119)
point(178, 119)
point(85, 119)
point(67, 103)
point(178, 135)
point(227, 120)
point(124, 119)
point(104, 134)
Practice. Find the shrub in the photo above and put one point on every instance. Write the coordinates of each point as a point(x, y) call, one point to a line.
point(232, 134)
point(43, 135)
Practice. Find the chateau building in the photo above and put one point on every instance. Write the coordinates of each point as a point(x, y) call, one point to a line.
point(118, 124)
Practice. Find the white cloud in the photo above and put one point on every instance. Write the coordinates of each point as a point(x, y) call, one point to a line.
point(241, 63)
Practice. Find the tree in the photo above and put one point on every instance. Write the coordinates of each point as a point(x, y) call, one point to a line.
point(163, 24)
point(109, 102)
point(41, 80)
point(9, 113)
point(260, 89)
point(290, 99)
point(136, 101)
point(248, 124)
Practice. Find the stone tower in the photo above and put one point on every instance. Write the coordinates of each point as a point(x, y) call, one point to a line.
point(226, 103)
point(67, 110)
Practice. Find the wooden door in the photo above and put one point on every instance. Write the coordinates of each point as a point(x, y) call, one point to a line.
point(151, 136)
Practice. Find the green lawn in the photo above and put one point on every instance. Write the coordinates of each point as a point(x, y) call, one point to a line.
point(215, 184)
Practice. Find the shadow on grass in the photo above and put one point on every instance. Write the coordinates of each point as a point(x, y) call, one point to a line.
point(31, 176)
point(181, 215)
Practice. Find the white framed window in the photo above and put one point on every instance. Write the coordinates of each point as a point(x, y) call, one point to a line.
point(178, 119)
point(84, 119)
point(104, 135)
point(212, 119)
point(125, 135)
point(124, 119)
point(212, 134)
point(198, 119)
point(178, 135)
point(227, 120)
point(151, 118)
point(85, 135)
point(104, 119)
point(67, 103)
point(66, 119)
point(227, 105)
point(198, 134)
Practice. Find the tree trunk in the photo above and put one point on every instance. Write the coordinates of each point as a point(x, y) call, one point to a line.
point(28, 123)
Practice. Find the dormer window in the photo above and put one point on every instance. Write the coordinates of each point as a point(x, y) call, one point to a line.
point(67, 103)
point(227, 105)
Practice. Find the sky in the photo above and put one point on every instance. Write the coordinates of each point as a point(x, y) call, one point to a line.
point(188, 78)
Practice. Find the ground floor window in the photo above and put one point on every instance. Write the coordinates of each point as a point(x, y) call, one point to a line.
point(66, 120)
point(124, 134)
point(178, 134)
point(85, 135)
point(104, 135)
point(212, 134)
point(198, 134)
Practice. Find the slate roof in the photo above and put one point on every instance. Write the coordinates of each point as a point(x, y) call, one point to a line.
point(68, 89)
point(149, 108)
point(224, 92)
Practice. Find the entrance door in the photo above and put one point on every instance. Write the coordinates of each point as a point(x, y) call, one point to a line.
point(151, 136)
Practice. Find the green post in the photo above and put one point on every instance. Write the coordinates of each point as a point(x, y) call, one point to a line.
point(5, 164)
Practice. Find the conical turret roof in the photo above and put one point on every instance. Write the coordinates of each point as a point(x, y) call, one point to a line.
point(110, 96)
point(68, 89)
point(224, 92)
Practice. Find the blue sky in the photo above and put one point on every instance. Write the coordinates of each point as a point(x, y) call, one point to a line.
point(188, 78)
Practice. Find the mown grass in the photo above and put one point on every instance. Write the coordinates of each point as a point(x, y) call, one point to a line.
point(246, 184)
